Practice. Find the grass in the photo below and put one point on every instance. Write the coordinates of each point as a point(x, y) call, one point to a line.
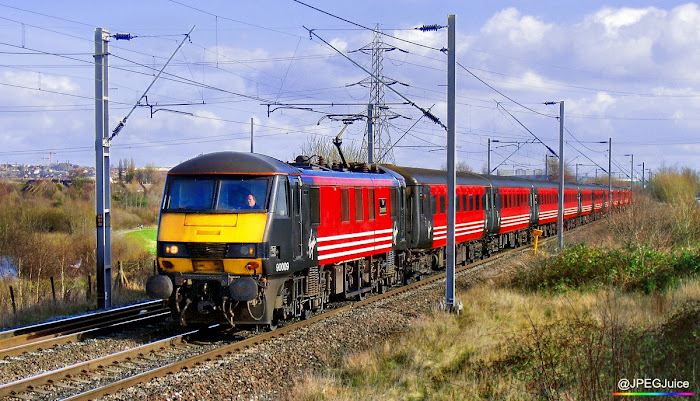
point(623, 301)
point(146, 237)
point(511, 345)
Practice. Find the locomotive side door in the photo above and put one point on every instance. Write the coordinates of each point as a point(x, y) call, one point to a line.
point(297, 220)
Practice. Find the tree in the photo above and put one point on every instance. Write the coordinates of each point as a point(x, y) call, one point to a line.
point(461, 167)
point(323, 146)
point(131, 171)
point(553, 170)
point(121, 171)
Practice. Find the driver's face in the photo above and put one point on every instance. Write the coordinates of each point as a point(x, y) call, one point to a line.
point(251, 200)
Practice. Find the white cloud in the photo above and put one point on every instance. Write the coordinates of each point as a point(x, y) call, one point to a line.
point(597, 105)
point(615, 19)
point(518, 29)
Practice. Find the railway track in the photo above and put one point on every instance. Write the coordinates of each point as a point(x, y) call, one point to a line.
point(108, 374)
point(46, 335)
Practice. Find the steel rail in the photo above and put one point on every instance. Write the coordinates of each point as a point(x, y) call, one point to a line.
point(230, 349)
point(61, 324)
point(68, 337)
point(50, 377)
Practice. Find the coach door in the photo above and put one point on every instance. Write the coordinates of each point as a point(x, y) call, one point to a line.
point(493, 210)
point(534, 207)
point(398, 209)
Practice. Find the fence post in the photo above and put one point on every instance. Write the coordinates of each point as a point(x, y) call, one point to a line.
point(14, 305)
point(89, 289)
point(53, 290)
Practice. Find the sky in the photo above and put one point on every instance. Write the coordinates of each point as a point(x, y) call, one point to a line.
point(625, 70)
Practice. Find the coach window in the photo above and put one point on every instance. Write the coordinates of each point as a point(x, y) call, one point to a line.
point(344, 205)
point(442, 203)
point(359, 210)
point(314, 206)
point(370, 203)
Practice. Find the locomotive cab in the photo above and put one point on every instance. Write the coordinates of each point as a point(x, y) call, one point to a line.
point(221, 238)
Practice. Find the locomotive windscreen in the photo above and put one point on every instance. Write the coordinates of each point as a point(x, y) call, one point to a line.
point(215, 193)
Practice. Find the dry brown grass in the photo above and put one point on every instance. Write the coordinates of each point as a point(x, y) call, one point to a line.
point(509, 345)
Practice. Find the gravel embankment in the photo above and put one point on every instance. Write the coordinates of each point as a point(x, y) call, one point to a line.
point(34, 363)
point(266, 371)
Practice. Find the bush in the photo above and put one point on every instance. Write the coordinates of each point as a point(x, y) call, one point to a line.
point(631, 269)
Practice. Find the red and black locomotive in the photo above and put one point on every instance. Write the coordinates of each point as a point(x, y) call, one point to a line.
point(247, 239)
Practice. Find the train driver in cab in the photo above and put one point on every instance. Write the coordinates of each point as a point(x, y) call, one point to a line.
point(251, 203)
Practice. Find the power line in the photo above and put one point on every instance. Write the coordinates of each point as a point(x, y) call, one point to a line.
point(528, 130)
point(48, 16)
point(427, 113)
point(502, 94)
point(233, 20)
point(364, 27)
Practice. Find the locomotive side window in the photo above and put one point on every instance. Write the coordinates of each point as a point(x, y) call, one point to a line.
point(442, 203)
point(359, 210)
point(471, 202)
point(433, 204)
point(281, 204)
point(394, 201)
point(476, 202)
point(314, 206)
point(465, 205)
point(370, 203)
point(344, 205)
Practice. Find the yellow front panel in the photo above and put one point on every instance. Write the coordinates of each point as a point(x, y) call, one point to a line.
point(228, 228)
point(249, 227)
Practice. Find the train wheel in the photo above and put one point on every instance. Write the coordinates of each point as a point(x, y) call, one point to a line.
point(306, 314)
point(274, 323)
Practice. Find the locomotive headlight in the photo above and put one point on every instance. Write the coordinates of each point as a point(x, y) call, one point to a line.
point(169, 249)
point(249, 251)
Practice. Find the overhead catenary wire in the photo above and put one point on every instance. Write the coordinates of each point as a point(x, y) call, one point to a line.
point(364, 27)
point(121, 124)
point(528, 130)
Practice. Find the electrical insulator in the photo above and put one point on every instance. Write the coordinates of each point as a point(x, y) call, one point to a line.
point(123, 36)
point(426, 28)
